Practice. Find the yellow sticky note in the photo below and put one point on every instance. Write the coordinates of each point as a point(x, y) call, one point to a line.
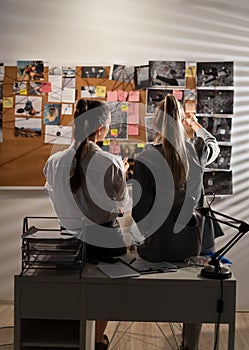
point(140, 145)
point(190, 71)
point(124, 107)
point(100, 91)
point(8, 102)
point(106, 142)
point(114, 132)
point(23, 91)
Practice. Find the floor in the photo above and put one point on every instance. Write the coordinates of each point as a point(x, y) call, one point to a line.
point(146, 336)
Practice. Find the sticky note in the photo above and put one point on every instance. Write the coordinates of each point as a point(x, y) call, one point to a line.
point(46, 87)
point(122, 95)
point(133, 129)
point(115, 148)
point(190, 71)
point(8, 102)
point(133, 96)
point(133, 113)
point(100, 91)
point(112, 96)
point(114, 132)
point(178, 94)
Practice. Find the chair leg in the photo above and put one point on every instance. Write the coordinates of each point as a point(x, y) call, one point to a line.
point(171, 325)
point(165, 337)
point(115, 332)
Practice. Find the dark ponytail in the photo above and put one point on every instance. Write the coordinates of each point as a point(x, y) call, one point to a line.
point(89, 115)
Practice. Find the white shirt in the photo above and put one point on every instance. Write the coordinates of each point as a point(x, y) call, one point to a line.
point(106, 191)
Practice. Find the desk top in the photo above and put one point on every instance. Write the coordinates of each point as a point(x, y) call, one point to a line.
point(92, 274)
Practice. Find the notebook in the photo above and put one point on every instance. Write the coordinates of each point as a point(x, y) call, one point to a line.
point(118, 270)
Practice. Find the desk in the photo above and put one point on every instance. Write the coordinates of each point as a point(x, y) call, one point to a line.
point(64, 303)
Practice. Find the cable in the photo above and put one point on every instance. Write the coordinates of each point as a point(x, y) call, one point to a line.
point(220, 305)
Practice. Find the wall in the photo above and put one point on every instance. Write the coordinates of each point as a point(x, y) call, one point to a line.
point(131, 32)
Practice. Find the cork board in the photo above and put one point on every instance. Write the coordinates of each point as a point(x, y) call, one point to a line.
point(22, 158)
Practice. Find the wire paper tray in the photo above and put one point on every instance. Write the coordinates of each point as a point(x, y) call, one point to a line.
point(49, 248)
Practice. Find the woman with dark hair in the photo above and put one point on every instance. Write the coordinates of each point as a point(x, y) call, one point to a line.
point(87, 186)
point(167, 187)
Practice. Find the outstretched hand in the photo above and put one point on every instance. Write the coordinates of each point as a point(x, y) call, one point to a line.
point(191, 124)
point(126, 164)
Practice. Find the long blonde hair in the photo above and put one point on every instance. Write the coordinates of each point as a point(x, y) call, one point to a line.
point(170, 132)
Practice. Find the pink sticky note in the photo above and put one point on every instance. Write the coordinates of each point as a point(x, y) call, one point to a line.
point(112, 96)
point(122, 95)
point(133, 96)
point(46, 87)
point(115, 147)
point(178, 94)
point(133, 129)
point(133, 113)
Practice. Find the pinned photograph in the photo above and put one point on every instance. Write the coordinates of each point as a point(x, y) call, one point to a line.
point(1, 71)
point(55, 70)
point(1, 90)
point(224, 158)
point(167, 73)
point(52, 114)
point(214, 101)
point(94, 72)
point(141, 77)
point(66, 109)
point(28, 127)
point(149, 129)
point(131, 149)
point(118, 129)
point(61, 135)
point(88, 91)
point(20, 88)
point(68, 71)
point(122, 73)
point(214, 74)
point(1, 122)
point(218, 182)
point(35, 88)
point(29, 106)
point(219, 127)
point(30, 70)
point(153, 97)
point(68, 83)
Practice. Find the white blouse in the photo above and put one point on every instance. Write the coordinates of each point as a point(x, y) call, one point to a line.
point(103, 191)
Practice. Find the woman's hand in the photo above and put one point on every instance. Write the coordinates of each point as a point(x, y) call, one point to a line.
point(126, 164)
point(190, 124)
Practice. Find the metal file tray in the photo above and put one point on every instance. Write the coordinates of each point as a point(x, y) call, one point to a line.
point(48, 247)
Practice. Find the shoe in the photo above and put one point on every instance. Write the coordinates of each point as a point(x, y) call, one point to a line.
point(102, 346)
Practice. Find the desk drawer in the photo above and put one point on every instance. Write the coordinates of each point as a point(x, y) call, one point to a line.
point(50, 300)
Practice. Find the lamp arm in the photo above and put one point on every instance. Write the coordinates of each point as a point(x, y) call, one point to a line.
point(243, 229)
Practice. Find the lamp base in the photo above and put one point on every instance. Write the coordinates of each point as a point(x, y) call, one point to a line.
point(212, 272)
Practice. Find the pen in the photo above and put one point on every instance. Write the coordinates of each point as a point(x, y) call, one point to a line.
point(132, 261)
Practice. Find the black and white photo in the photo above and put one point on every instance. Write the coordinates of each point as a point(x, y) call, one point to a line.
point(214, 74)
point(167, 73)
point(214, 101)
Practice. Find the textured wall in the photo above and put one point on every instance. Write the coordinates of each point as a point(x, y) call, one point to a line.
point(131, 32)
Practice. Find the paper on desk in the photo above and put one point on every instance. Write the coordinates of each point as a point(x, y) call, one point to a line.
point(117, 270)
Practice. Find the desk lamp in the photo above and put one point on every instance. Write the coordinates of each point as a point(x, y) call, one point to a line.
point(215, 271)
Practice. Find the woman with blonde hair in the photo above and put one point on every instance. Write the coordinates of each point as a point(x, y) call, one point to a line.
point(167, 188)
